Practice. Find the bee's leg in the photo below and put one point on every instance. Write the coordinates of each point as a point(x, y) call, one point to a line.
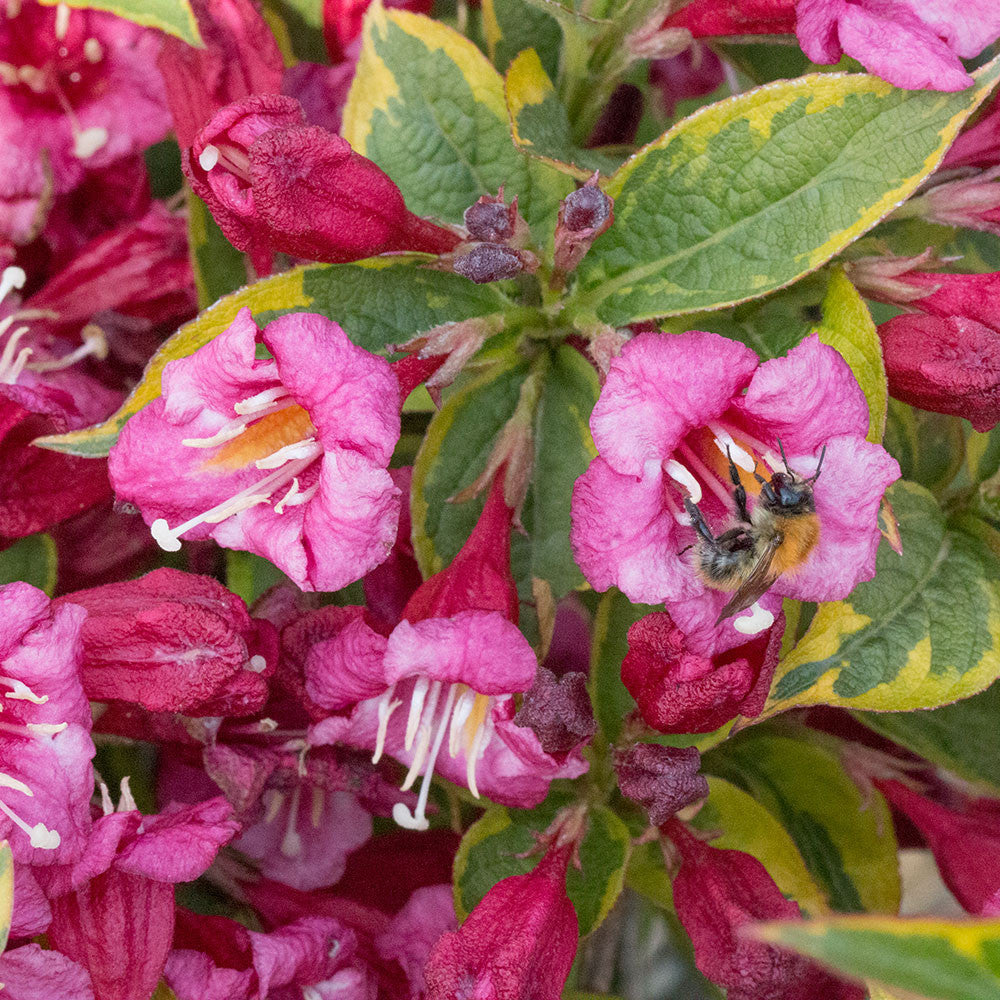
point(739, 493)
point(698, 522)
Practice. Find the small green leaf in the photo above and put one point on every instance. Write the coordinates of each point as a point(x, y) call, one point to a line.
point(751, 193)
point(845, 839)
point(936, 959)
point(928, 446)
point(175, 17)
point(491, 847)
point(924, 632)
point(540, 124)
point(429, 109)
point(298, 27)
point(511, 26)
point(848, 328)
point(6, 892)
point(377, 302)
point(219, 268)
point(249, 576)
point(31, 560)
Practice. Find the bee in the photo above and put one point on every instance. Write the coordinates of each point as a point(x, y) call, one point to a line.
point(778, 536)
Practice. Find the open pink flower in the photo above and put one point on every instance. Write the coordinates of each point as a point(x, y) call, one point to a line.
point(285, 457)
point(911, 43)
point(78, 92)
point(45, 745)
point(456, 660)
point(670, 409)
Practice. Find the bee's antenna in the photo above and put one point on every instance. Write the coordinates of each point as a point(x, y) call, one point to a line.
point(781, 448)
point(819, 465)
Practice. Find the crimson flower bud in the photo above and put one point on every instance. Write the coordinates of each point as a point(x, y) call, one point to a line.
point(489, 262)
point(718, 892)
point(661, 779)
point(174, 642)
point(965, 842)
point(947, 364)
point(274, 183)
point(681, 690)
point(712, 18)
point(518, 943)
point(584, 214)
point(491, 220)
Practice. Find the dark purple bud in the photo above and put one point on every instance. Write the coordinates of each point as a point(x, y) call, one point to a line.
point(586, 208)
point(490, 220)
point(661, 779)
point(558, 711)
point(489, 262)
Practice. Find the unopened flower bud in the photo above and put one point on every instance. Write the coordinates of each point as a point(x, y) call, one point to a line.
point(558, 711)
point(584, 214)
point(489, 262)
point(490, 220)
point(661, 779)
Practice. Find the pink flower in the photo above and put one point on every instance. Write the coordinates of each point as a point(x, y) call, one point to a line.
point(175, 642)
point(670, 409)
point(30, 973)
point(718, 892)
point(684, 685)
point(274, 183)
point(518, 943)
point(79, 93)
point(964, 836)
point(969, 202)
point(911, 43)
point(456, 659)
point(45, 746)
point(708, 18)
point(285, 457)
point(978, 146)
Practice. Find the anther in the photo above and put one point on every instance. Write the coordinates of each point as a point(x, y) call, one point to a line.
point(89, 141)
point(257, 663)
point(208, 158)
point(62, 21)
point(682, 476)
point(12, 277)
point(757, 621)
point(21, 692)
point(291, 842)
point(386, 706)
point(93, 52)
point(725, 443)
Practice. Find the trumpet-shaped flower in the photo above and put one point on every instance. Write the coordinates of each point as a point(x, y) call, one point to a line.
point(284, 457)
point(673, 408)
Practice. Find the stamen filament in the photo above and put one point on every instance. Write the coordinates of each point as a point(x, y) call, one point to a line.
point(21, 692)
point(386, 706)
point(261, 401)
point(290, 452)
point(291, 843)
point(424, 737)
point(39, 835)
point(458, 719)
point(416, 710)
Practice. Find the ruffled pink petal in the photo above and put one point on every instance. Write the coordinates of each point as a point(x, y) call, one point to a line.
point(304, 953)
point(816, 28)
point(891, 42)
point(346, 668)
point(415, 929)
point(29, 973)
point(848, 493)
point(351, 395)
point(624, 535)
point(661, 387)
point(481, 649)
point(192, 975)
point(967, 26)
point(32, 914)
point(805, 398)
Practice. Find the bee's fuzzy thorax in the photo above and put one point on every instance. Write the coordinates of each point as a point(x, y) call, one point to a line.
point(800, 535)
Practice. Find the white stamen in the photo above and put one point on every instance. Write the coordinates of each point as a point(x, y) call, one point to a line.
point(681, 475)
point(257, 663)
point(273, 801)
point(725, 443)
point(262, 400)
point(459, 717)
point(757, 621)
point(416, 710)
point(386, 706)
point(62, 21)
point(207, 159)
point(107, 806)
point(293, 498)
point(21, 692)
point(472, 758)
point(10, 373)
point(94, 342)
point(39, 835)
point(93, 51)
point(6, 781)
point(423, 737)
point(318, 803)
point(291, 843)
point(89, 141)
point(126, 803)
point(45, 728)
point(233, 429)
point(299, 449)
point(418, 820)
point(773, 460)
point(12, 277)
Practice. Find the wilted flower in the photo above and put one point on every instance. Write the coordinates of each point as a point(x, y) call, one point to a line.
point(285, 457)
point(671, 411)
point(558, 711)
point(661, 779)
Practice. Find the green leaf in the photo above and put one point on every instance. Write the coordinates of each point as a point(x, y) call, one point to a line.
point(937, 959)
point(963, 737)
point(457, 446)
point(746, 825)
point(377, 302)
point(540, 124)
point(751, 193)
point(491, 847)
point(219, 268)
point(429, 109)
point(848, 328)
point(248, 575)
point(32, 560)
point(6, 892)
point(511, 26)
point(175, 17)
point(928, 446)
point(924, 632)
point(845, 839)
point(298, 27)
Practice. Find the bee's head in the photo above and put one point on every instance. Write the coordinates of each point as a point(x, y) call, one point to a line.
point(787, 493)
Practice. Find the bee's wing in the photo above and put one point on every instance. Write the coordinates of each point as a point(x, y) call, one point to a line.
point(757, 583)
